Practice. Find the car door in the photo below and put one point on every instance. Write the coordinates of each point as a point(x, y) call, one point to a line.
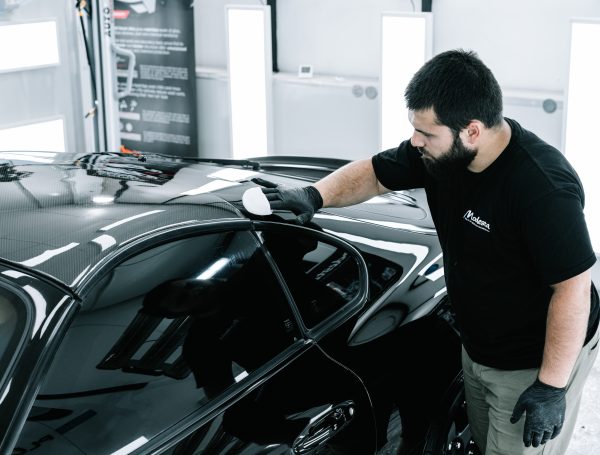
point(193, 345)
point(312, 403)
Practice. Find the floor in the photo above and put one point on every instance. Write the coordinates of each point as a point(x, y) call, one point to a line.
point(586, 438)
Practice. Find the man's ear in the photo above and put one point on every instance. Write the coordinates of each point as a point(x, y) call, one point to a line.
point(471, 134)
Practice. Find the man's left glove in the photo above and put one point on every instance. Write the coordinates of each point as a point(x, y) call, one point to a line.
point(545, 406)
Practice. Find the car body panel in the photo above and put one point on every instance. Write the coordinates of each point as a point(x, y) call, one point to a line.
point(269, 419)
point(77, 418)
point(143, 197)
point(96, 230)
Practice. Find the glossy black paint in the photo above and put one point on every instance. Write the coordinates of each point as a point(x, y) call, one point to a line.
point(89, 230)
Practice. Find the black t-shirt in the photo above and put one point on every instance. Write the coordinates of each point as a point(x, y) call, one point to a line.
point(507, 234)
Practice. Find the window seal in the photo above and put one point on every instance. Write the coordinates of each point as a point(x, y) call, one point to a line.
point(351, 308)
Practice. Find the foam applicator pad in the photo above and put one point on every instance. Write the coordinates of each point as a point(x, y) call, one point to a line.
point(256, 202)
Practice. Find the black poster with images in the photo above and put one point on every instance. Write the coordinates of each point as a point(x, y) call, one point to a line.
point(159, 116)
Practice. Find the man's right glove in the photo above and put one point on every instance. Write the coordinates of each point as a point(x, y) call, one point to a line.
point(545, 407)
point(303, 201)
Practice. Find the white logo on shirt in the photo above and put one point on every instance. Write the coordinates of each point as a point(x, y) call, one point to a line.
point(476, 221)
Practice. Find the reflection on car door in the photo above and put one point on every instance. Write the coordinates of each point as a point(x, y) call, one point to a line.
point(193, 346)
point(313, 404)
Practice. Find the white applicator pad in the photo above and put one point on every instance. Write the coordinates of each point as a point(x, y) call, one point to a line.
point(256, 202)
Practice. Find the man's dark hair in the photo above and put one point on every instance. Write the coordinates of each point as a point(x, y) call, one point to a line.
point(459, 88)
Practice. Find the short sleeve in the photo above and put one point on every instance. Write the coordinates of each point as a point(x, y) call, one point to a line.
point(556, 236)
point(400, 168)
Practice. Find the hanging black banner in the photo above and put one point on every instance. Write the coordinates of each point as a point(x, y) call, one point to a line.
point(160, 114)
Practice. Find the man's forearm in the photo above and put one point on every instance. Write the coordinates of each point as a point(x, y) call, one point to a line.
point(566, 328)
point(351, 184)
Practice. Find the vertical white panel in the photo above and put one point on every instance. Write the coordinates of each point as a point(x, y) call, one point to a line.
point(406, 45)
point(250, 76)
point(28, 45)
point(48, 136)
point(581, 120)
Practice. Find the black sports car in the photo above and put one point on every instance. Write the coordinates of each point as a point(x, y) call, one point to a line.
point(143, 310)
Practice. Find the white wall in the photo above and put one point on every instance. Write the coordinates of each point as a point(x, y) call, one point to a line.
point(524, 42)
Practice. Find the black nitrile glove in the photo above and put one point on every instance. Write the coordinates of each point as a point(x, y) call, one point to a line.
point(545, 406)
point(304, 201)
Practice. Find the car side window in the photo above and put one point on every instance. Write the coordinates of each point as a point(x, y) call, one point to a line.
point(321, 276)
point(158, 338)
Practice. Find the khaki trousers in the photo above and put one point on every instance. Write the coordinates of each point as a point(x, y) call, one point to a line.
point(491, 395)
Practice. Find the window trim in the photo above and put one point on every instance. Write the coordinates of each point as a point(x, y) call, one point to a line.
point(33, 362)
point(191, 422)
point(26, 332)
point(343, 314)
point(146, 242)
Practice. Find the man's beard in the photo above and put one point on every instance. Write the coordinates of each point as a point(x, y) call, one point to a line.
point(450, 163)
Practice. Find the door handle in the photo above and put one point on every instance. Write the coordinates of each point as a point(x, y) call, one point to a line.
point(323, 427)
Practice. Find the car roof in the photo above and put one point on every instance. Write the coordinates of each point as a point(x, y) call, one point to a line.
point(61, 218)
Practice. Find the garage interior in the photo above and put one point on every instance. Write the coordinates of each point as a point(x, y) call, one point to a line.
point(260, 78)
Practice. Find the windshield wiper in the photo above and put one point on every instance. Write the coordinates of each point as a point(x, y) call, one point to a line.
point(254, 165)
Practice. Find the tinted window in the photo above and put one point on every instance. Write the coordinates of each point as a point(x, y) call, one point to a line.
point(382, 274)
point(167, 331)
point(321, 276)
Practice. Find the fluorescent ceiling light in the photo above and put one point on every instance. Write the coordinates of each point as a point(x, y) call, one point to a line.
point(581, 119)
point(241, 376)
point(105, 241)
point(103, 199)
point(5, 393)
point(209, 187)
point(46, 136)
point(139, 442)
point(406, 45)
point(32, 45)
point(215, 268)
point(41, 307)
point(127, 220)
point(250, 74)
point(233, 175)
point(30, 157)
point(47, 255)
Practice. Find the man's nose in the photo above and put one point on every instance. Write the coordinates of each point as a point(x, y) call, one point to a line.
point(416, 140)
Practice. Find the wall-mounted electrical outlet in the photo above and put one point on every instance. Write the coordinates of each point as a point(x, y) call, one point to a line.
point(305, 71)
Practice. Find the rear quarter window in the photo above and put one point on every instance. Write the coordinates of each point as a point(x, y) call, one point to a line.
point(322, 277)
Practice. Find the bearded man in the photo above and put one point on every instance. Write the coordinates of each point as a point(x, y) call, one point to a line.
point(508, 209)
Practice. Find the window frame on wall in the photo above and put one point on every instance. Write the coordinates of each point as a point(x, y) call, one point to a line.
point(56, 83)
